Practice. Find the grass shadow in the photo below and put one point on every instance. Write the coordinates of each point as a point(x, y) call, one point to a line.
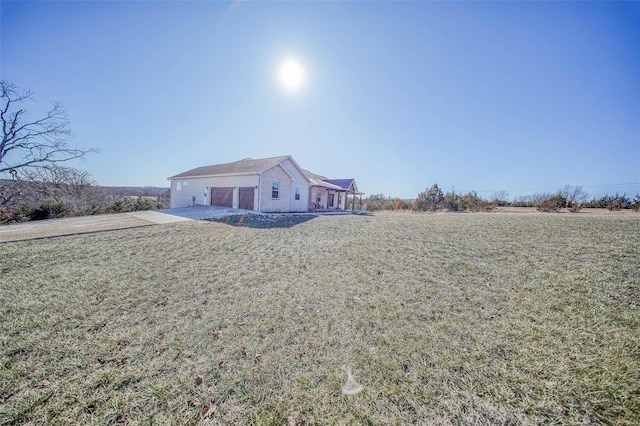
point(264, 221)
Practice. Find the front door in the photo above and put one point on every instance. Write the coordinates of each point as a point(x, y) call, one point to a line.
point(330, 203)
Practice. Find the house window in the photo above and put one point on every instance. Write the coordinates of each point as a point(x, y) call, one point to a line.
point(275, 190)
point(297, 196)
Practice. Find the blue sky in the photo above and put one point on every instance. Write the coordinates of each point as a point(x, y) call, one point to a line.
point(517, 96)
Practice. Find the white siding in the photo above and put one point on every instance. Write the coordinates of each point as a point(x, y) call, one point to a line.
point(300, 181)
point(287, 174)
point(269, 204)
point(200, 189)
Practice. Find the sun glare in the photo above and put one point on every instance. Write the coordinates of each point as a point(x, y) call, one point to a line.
point(291, 75)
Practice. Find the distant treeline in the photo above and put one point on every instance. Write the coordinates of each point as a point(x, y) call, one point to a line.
point(573, 198)
point(65, 192)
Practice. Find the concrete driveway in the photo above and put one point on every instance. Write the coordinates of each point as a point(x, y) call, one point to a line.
point(205, 212)
point(108, 222)
point(85, 224)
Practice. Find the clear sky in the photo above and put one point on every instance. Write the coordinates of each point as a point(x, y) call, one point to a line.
point(517, 96)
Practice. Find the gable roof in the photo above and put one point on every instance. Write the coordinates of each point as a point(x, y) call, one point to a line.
point(324, 184)
point(342, 183)
point(251, 166)
point(338, 184)
point(246, 166)
point(312, 175)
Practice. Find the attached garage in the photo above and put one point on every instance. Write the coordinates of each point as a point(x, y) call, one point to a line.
point(222, 196)
point(270, 185)
point(246, 197)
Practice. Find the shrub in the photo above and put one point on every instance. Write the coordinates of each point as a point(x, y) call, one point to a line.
point(452, 202)
point(469, 202)
point(6, 215)
point(546, 202)
point(431, 199)
point(574, 197)
point(380, 202)
point(50, 210)
point(500, 198)
point(619, 202)
point(131, 204)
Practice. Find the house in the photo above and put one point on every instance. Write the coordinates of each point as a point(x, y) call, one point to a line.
point(275, 184)
point(331, 193)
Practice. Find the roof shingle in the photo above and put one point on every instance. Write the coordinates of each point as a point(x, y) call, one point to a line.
point(245, 166)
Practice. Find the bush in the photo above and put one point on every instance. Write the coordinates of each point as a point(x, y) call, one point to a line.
point(546, 202)
point(523, 201)
point(619, 202)
point(50, 210)
point(452, 202)
point(130, 204)
point(6, 214)
point(469, 202)
point(611, 202)
point(431, 199)
point(500, 198)
point(380, 202)
point(574, 197)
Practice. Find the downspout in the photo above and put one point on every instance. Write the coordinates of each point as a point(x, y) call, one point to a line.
point(259, 192)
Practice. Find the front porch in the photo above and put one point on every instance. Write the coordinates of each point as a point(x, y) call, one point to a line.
point(334, 194)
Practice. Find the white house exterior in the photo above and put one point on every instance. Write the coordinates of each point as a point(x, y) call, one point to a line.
point(276, 184)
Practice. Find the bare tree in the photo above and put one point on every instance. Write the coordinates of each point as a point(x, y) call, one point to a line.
point(575, 197)
point(500, 198)
point(29, 143)
point(58, 182)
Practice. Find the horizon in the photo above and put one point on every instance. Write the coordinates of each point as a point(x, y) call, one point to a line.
point(486, 97)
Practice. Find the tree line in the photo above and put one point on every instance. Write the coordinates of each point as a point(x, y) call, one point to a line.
point(573, 198)
point(34, 157)
point(38, 183)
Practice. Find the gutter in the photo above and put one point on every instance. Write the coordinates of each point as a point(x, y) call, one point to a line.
point(259, 192)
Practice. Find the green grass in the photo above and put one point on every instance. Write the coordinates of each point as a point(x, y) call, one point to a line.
point(443, 318)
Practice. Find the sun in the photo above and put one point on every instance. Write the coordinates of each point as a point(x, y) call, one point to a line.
point(291, 75)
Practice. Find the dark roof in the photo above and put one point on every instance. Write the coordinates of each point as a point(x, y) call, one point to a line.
point(342, 183)
point(245, 166)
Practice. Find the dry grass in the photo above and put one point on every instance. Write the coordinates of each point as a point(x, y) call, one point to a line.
point(443, 318)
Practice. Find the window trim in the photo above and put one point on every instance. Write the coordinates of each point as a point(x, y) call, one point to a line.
point(275, 190)
point(296, 195)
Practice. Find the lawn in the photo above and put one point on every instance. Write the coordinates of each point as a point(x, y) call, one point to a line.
point(493, 318)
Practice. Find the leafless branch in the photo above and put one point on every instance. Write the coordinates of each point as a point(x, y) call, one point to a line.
point(27, 144)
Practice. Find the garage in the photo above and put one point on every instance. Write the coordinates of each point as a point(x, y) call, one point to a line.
point(245, 198)
point(222, 196)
